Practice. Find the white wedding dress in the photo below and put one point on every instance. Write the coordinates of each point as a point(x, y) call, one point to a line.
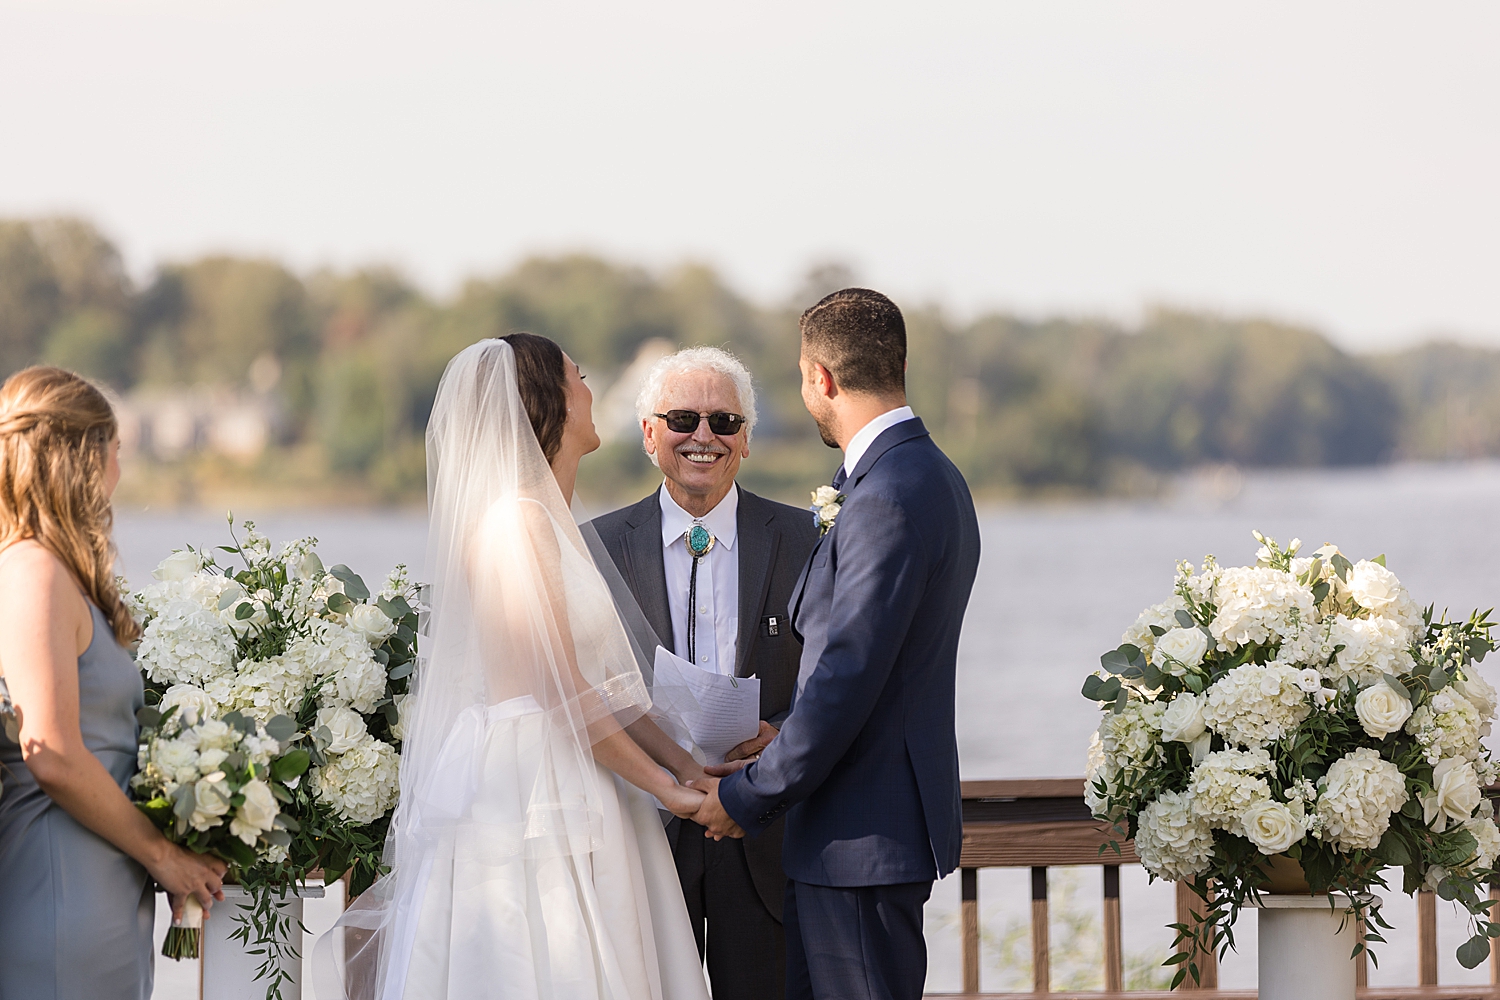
point(520, 867)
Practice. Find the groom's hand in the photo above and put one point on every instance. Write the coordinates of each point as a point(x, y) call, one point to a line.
point(755, 744)
point(716, 823)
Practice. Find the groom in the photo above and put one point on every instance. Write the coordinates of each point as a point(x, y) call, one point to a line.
point(865, 767)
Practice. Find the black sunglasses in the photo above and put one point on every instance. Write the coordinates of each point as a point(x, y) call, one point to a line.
point(686, 421)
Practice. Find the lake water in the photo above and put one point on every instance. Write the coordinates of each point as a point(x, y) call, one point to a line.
point(1057, 585)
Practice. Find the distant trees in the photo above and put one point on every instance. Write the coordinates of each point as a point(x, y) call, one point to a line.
point(353, 361)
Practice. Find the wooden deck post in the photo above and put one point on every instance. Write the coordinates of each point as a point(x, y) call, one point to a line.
point(1189, 907)
point(1362, 963)
point(1427, 939)
point(1041, 962)
point(969, 893)
point(1495, 942)
point(1114, 978)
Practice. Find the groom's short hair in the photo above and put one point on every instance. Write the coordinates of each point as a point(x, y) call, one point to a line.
point(860, 337)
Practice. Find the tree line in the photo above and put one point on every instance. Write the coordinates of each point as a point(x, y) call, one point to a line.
point(1025, 406)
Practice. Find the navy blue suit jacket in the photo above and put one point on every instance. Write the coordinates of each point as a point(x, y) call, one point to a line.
point(866, 765)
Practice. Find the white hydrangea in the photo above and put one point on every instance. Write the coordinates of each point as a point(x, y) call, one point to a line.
point(341, 654)
point(1173, 842)
point(1255, 704)
point(267, 688)
point(1486, 836)
point(1448, 726)
point(1132, 739)
point(1372, 647)
point(186, 643)
point(1356, 799)
point(1259, 605)
point(1163, 615)
point(362, 784)
point(1227, 784)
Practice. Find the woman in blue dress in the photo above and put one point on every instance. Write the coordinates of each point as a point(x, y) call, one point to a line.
point(77, 859)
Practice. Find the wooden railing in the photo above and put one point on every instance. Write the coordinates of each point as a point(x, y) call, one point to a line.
point(1042, 823)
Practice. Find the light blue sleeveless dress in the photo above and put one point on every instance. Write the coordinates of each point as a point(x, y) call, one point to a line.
point(76, 914)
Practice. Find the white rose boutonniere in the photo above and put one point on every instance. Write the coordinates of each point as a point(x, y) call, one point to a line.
point(826, 504)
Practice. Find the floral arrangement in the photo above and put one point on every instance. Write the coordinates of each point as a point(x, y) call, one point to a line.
point(1303, 711)
point(306, 671)
point(826, 504)
point(216, 786)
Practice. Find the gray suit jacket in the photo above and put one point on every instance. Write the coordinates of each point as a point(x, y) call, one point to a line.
point(774, 542)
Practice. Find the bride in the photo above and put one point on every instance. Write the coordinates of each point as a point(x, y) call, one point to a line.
point(527, 854)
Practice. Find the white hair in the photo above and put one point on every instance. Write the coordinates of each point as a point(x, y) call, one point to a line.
point(698, 359)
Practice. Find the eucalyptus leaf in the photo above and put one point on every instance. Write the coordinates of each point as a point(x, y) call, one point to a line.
point(340, 604)
point(1341, 566)
point(405, 669)
point(1184, 619)
point(353, 585)
point(229, 597)
point(1473, 952)
point(281, 728)
point(279, 837)
point(244, 611)
point(1091, 685)
point(148, 717)
point(1394, 683)
point(1122, 700)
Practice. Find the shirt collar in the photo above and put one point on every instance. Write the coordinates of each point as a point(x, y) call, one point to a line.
point(722, 522)
point(866, 435)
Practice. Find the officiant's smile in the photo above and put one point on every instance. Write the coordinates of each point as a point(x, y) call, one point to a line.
point(699, 464)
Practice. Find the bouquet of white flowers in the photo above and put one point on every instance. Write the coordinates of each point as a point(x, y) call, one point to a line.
point(307, 656)
point(1306, 712)
point(216, 787)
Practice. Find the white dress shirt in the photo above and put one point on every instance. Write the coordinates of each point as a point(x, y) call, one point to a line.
point(718, 610)
point(866, 435)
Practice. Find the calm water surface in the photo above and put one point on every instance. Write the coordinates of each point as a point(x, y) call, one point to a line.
point(1056, 587)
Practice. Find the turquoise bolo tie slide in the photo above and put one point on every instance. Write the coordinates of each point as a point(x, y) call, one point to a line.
point(699, 541)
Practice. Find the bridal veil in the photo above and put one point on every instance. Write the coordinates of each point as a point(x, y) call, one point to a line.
point(525, 664)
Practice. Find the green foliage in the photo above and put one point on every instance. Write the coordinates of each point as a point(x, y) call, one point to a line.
point(1023, 406)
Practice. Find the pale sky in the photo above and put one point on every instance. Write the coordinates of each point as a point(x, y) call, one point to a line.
point(1330, 163)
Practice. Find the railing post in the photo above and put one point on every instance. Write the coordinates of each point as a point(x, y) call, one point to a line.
point(1041, 964)
point(1495, 942)
point(1114, 965)
point(969, 893)
point(1427, 939)
point(1362, 963)
point(1189, 908)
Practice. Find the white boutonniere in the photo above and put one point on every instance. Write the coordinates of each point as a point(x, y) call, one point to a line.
point(826, 503)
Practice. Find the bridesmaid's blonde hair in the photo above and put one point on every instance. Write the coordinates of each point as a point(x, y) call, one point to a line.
point(55, 431)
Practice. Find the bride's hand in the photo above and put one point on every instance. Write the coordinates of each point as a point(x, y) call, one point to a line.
point(682, 802)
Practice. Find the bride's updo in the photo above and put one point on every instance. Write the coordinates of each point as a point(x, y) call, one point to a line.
point(543, 380)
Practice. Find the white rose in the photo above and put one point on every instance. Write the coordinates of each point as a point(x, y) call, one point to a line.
point(257, 814)
point(1382, 710)
point(178, 566)
point(1373, 586)
point(398, 731)
point(209, 760)
point(347, 727)
point(371, 622)
point(1479, 693)
point(1455, 794)
point(192, 703)
point(1179, 650)
point(823, 496)
point(1183, 720)
point(1271, 826)
point(210, 801)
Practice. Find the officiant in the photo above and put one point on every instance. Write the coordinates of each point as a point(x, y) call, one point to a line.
point(712, 566)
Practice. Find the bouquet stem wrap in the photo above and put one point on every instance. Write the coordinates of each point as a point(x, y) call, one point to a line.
point(185, 938)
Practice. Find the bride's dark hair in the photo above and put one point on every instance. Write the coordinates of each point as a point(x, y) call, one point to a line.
point(542, 375)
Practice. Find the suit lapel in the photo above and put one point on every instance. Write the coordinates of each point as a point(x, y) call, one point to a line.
point(648, 572)
point(758, 541)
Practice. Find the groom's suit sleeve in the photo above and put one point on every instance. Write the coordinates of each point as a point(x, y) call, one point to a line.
point(878, 580)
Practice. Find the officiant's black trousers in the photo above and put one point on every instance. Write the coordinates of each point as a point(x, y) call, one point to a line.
point(744, 944)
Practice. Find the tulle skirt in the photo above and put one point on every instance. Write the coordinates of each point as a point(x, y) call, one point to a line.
point(513, 903)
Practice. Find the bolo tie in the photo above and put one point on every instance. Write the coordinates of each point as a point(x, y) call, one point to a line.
point(699, 542)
